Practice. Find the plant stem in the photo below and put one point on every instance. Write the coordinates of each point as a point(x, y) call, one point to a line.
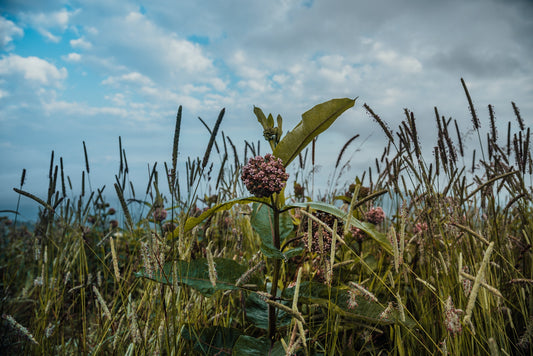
point(274, 289)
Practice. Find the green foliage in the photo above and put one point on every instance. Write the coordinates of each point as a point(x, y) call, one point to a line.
point(251, 346)
point(422, 281)
point(368, 228)
point(195, 274)
point(314, 121)
point(262, 223)
point(257, 313)
point(211, 341)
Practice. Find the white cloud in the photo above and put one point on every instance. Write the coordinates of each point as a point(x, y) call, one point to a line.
point(406, 64)
point(72, 57)
point(132, 77)
point(47, 22)
point(138, 43)
point(8, 30)
point(33, 69)
point(3, 94)
point(80, 43)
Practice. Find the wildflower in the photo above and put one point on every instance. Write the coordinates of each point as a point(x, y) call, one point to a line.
point(451, 316)
point(160, 214)
point(363, 191)
point(421, 227)
point(375, 215)
point(113, 224)
point(318, 237)
point(298, 191)
point(358, 234)
point(264, 176)
point(111, 211)
point(168, 227)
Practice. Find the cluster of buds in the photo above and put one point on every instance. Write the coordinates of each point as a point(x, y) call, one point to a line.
point(421, 227)
point(363, 191)
point(298, 191)
point(160, 214)
point(264, 176)
point(358, 234)
point(375, 215)
point(316, 244)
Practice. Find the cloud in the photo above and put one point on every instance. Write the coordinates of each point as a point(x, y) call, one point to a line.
point(8, 30)
point(72, 57)
point(33, 69)
point(139, 44)
point(129, 78)
point(80, 43)
point(46, 22)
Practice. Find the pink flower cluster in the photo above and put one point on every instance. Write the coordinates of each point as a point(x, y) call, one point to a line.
point(160, 214)
point(358, 234)
point(315, 244)
point(264, 176)
point(375, 215)
point(421, 227)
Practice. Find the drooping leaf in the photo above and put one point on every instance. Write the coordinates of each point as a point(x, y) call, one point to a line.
point(251, 346)
point(214, 340)
point(195, 274)
point(194, 221)
point(369, 228)
point(262, 220)
point(336, 299)
point(257, 313)
point(314, 122)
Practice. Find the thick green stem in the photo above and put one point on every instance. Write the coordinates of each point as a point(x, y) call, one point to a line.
point(275, 278)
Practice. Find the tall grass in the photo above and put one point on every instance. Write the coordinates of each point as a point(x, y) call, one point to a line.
point(456, 279)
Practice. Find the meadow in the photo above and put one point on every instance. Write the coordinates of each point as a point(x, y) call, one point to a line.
point(419, 254)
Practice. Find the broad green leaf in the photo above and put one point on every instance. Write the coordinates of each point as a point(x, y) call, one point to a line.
point(336, 299)
point(314, 122)
point(257, 313)
point(194, 221)
point(214, 340)
point(195, 274)
point(369, 228)
point(251, 346)
point(262, 219)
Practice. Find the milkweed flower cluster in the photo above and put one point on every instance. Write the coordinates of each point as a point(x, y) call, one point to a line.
point(421, 227)
point(375, 215)
point(358, 234)
point(264, 176)
point(160, 214)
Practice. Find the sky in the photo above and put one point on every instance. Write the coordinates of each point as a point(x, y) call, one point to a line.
point(91, 71)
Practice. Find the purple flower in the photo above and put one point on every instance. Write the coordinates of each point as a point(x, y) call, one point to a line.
point(264, 176)
point(375, 215)
point(160, 214)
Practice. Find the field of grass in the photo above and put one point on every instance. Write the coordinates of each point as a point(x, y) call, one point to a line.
point(446, 269)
